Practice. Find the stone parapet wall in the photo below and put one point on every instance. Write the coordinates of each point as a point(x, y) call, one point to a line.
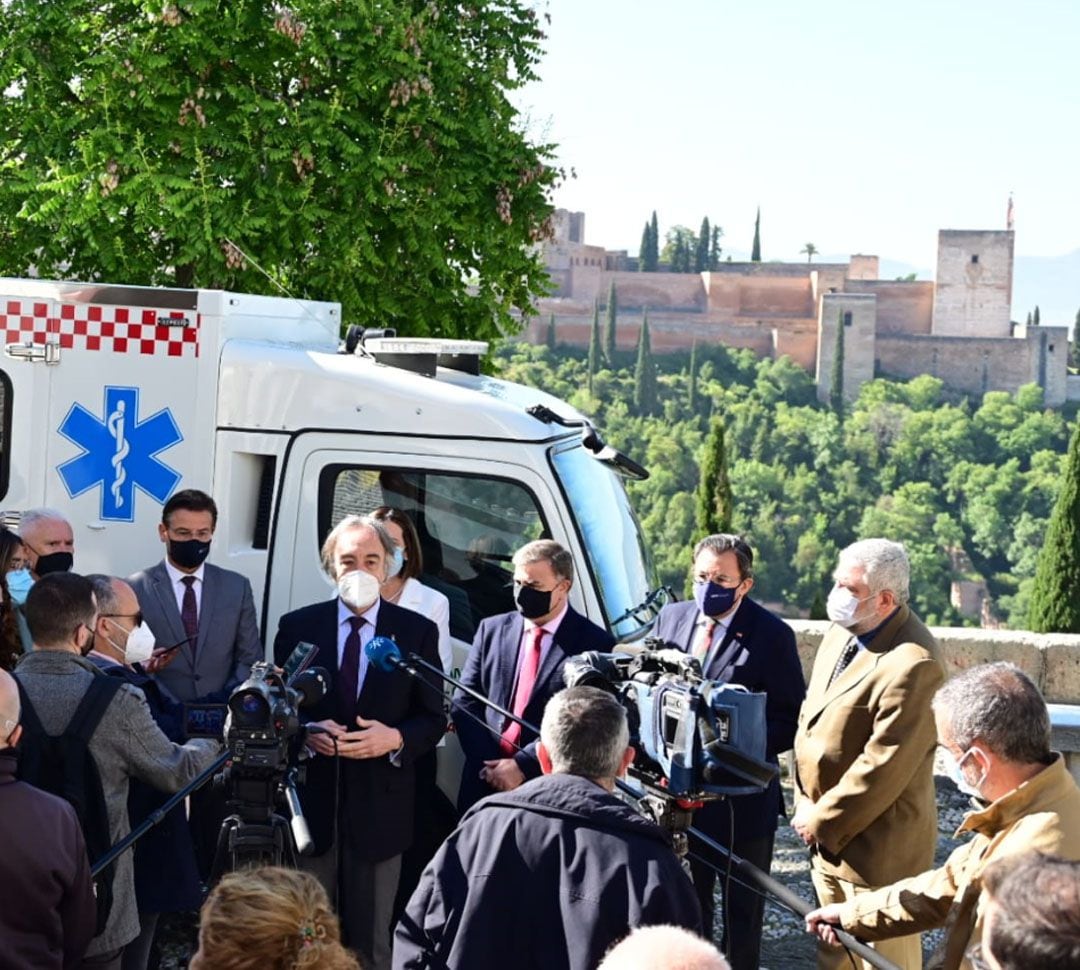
point(1051, 660)
point(902, 307)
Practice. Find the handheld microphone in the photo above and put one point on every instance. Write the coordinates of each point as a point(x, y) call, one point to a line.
point(386, 655)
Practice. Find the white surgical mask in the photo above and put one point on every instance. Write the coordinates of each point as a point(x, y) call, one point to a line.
point(139, 646)
point(842, 606)
point(358, 589)
point(953, 768)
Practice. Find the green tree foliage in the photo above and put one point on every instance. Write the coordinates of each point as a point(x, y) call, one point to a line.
point(611, 320)
point(645, 399)
point(714, 499)
point(550, 336)
point(836, 376)
point(595, 353)
point(1035, 316)
point(365, 153)
point(1074, 351)
point(714, 247)
point(811, 251)
point(755, 251)
point(692, 381)
point(702, 261)
point(679, 245)
point(968, 484)
point(644, 249)
point(654, 244)
point(1054, 605)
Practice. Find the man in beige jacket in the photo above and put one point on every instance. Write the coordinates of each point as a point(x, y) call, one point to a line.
point(994, 730)
point(864, 749)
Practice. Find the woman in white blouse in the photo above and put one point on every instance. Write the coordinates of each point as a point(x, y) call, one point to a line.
point(404, 589)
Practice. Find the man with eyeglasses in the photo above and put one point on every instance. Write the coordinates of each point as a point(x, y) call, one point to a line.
point(737, 642)
point(994, 737)
point(208, 614)
point(123, 647)
point(55, 677)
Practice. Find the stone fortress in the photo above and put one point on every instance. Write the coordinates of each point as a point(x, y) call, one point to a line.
point(957, 327)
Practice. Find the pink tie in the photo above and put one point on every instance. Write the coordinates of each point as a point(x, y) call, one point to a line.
point(701, 648)
point(526, 681)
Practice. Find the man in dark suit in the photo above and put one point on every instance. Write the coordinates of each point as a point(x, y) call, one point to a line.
point(516, 661)
point(373, 723)
point(209, 613)
point(738, 642)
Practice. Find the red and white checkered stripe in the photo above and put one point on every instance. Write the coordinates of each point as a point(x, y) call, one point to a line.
point(91, 326)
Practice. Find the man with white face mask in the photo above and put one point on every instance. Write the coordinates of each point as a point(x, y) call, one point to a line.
point(373, 724)
point(123, 647)
point(864, 749)
point(994, 733)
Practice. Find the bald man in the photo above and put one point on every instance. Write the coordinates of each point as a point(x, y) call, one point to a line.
point(663, 948)
point(43, 864)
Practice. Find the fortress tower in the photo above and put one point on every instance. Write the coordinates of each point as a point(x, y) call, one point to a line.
point(973, 291)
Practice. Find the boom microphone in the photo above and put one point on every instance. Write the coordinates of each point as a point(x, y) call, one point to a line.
point(311, 685)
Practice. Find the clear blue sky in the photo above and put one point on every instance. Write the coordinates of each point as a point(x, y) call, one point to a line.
point(858, 126)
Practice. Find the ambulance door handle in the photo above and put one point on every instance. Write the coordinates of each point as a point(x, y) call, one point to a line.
point(34, 353)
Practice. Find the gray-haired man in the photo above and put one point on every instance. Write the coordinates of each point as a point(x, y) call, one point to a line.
point(994, 729)
point(553, 873)
point(864, 748)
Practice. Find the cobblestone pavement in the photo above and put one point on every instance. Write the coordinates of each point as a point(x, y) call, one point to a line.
point(785, 946)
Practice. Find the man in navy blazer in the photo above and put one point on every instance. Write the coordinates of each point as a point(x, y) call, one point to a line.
point(516, 661)
point(373, 724)
point(738, 642)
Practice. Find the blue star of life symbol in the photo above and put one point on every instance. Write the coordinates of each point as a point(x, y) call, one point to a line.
point(119, 453)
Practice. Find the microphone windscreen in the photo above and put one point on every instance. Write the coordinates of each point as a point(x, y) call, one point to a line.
point(382, 652)
point(311, 685)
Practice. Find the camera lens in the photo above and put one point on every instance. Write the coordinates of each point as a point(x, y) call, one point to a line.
point(250, 710)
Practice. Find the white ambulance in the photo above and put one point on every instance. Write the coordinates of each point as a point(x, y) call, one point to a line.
point(113, 397)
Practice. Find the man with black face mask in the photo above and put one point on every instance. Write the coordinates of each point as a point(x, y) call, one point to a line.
point(208, 614)
point(516, 661)
point(737, 642)
point(50, 548)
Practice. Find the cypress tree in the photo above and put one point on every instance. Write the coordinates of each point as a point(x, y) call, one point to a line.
point(1076, 341)
point(755, 253)
point(836, 377)
point(551, 333)
point(643, 250)
point(645, 372)
point(594, 343)
point(1035, 318)
point(1055, 606)
point(691, 384)
point(701, 251)
point(714, 247)
point(714, 500)
point(654, 244)
point(610, 322)
point(1029, 318)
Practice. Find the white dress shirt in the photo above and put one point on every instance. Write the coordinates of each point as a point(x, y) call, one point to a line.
point(180, 587)
point(367, 634)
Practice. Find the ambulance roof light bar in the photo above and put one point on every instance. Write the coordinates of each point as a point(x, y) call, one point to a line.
point(421, 355)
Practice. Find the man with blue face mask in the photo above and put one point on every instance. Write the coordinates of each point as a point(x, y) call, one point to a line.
point(864, 752)
point(737, 642)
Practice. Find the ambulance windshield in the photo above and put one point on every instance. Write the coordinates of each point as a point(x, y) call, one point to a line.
point(618, 559)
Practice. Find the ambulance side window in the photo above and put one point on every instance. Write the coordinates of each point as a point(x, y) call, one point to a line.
point(5, 432)
point(469, 527)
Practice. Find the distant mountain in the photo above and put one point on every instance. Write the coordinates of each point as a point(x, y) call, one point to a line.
point(1051, 282)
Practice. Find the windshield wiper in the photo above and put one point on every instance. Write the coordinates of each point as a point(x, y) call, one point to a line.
point(592, 441)
point(646, 611)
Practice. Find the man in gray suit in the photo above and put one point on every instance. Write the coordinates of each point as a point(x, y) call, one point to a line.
point(208, 611)
point(61, 613)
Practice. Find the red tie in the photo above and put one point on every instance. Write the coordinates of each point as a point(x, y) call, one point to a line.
point(526, 681)
point(701, 648)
